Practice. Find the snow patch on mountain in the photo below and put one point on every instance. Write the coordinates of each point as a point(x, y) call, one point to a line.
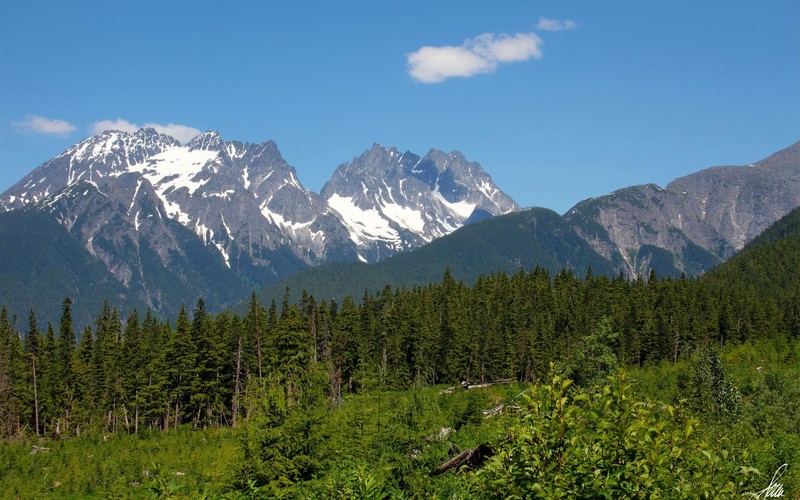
point(176, 168)
point(405, 216)
point(462, 208)
point(364, 225)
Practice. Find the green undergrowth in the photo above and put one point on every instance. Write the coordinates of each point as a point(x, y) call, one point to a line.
point(180, 462)
point(727, 416)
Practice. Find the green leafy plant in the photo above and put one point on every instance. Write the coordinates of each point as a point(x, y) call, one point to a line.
point(605, 443)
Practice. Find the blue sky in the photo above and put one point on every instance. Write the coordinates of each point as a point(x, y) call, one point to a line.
point(559, 101)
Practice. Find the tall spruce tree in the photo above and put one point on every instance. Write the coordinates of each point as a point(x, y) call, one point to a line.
point(64, 369)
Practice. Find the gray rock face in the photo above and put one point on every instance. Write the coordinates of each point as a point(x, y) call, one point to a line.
point(392, 202)
point(698, 220)
point(158, 261)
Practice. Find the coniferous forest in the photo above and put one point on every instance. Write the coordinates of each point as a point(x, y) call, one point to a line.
point(545, 385)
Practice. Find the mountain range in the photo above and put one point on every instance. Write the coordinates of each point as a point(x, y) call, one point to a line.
point(144, 221)
point(170, 222)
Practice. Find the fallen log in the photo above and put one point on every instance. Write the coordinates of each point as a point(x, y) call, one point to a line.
point(494, 411)
point(471, 458)
point(467, 386)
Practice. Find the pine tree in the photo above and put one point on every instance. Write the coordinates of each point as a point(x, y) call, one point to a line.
point(108, 356)
point(181, 367)
point(86, 391)
point(33, 349)
point(154, 401)
point(206, 388)
point(254, 336)
point(64, 369)
point(133, 370)
point(11, 377)
point(294, 363)
point(49, 386)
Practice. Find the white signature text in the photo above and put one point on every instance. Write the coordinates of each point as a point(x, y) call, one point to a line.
point(775, 489)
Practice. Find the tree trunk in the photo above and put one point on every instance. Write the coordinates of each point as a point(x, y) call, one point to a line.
point(235, 405)
point(35, 396)
point(166, 417)
point(258, 348)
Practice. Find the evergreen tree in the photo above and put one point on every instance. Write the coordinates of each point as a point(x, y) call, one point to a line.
point(108, 356)
point(86, 384)
point(207, 389)
point(254, 338)
point(64, 371)
point(154, 395)
point(11, 377)
point(181, 368)
point(33, 351)
point(133, 369)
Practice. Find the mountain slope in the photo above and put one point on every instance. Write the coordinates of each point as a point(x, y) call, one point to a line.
point(768, 266)
point(695, 223)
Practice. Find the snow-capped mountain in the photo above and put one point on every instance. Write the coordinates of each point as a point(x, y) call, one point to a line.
point(243, 199)
point(101, 156)
point(151, 209)
point(392, 202)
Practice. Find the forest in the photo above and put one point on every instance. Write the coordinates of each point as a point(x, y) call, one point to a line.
point(675, 387)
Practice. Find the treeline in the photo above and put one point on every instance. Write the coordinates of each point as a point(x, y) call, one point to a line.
point(131, 374)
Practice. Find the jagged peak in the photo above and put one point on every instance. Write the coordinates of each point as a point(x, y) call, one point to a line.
point(268, 146)
point(435, 152)
point(209, 140)
point(147, 131)
point(379, 151)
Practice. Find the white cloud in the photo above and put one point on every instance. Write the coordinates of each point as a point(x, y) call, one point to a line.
point(118, 124)
point(44, 126)
point(477, 55)
point(546, 24)
point(182, 133)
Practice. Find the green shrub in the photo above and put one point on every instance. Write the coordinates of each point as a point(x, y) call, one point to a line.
point(604, 443)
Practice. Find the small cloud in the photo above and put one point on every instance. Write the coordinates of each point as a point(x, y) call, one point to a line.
point(118, 124)
point(182, 133)
point(477, 55)
point(546, 24)
point(44, 126)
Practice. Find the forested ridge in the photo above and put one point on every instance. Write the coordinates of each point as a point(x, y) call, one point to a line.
point(277, 375)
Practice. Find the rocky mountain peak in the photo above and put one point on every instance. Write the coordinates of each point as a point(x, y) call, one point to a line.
point(392, 201)
point(207, 141)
